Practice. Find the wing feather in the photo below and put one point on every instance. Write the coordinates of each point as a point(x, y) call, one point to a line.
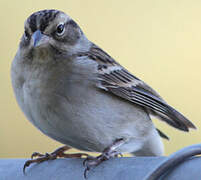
point(118, 81)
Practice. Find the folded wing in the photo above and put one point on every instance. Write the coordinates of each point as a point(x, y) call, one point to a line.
point(117, 80)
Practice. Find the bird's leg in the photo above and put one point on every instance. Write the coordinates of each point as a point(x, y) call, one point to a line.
point(60, 152)
point(108, 153)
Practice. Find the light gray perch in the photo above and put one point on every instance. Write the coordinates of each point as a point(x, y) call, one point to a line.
point(135, 168)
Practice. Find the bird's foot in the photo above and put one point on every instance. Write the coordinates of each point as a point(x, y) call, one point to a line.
point(60, 152)
point(108, 153)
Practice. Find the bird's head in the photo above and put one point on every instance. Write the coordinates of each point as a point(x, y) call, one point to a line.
point(50, 33)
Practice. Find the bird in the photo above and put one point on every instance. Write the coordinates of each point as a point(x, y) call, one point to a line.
point(77, 94)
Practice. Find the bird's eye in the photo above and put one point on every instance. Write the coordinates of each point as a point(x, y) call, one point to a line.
point(60, 29)
point(26, 35)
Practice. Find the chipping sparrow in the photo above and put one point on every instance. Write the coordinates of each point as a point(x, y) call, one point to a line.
point(77, 94)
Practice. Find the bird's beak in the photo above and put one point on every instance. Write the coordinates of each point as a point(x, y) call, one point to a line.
point(36, 37)
point(39, 38)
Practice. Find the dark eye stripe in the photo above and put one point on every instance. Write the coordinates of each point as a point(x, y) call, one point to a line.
point(72, 23)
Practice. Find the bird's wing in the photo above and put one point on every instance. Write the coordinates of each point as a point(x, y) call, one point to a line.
point(117, 80)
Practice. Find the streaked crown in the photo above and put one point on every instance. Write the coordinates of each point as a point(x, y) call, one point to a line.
point(41, 19)
point(51, 28)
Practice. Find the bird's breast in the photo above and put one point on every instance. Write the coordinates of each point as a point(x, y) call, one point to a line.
point(71, 109)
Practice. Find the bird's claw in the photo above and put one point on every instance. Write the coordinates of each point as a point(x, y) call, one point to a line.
point(109, 152)
point(91, 162)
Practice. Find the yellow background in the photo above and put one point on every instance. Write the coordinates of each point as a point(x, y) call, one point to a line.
point(158, 41)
